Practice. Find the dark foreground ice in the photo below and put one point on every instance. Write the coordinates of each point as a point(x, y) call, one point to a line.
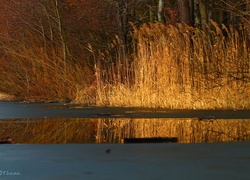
point(125, 161)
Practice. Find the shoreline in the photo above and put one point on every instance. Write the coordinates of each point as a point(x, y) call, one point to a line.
point(6, 97)
point(67, 110)
point(9, 98)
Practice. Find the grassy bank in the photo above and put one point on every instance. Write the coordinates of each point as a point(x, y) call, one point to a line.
point(177, 67)
point(181, 68)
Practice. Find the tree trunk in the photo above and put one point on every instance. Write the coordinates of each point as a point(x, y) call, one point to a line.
point(160, 11)
point(191, 11)
point(151, 14)
point(203, 13)
point(184, 11)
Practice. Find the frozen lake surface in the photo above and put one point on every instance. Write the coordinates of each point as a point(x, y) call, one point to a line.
point(126, 161)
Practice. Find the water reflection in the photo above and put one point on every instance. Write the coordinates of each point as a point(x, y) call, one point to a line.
point(186, 130)
point(56, 130)
point(103, 130)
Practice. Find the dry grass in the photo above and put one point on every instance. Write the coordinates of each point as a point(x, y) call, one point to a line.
point(180, 68)
point(186, 130)
point(6, 97)
point(170, 67)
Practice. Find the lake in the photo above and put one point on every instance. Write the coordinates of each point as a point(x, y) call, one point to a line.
point(71, 141)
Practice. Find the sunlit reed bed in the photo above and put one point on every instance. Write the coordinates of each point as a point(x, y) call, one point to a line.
point(177, 67)
point(180, 68)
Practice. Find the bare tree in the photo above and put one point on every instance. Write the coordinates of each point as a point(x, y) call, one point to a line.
point(160, 11)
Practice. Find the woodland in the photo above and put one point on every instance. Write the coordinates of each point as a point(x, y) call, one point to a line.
point(178, 54)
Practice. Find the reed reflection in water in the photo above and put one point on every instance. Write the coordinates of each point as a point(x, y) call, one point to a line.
point(186, 130)
point(78, 130)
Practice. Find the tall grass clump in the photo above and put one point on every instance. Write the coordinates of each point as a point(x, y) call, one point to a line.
point(179, 67)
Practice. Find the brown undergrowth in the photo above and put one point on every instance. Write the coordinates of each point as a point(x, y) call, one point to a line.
point(35, 70)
